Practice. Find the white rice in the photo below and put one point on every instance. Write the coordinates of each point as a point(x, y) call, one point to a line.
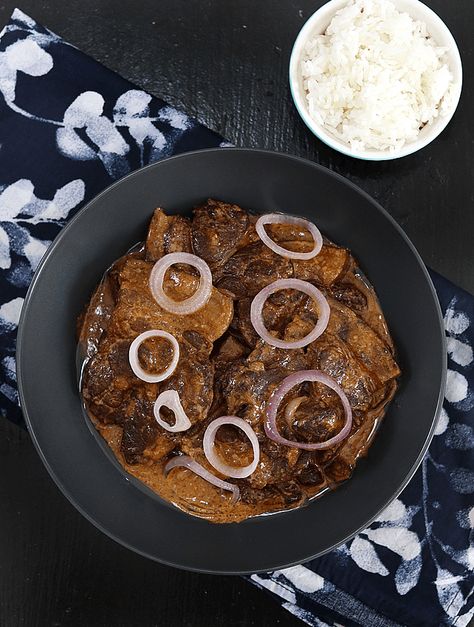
point(375, 77)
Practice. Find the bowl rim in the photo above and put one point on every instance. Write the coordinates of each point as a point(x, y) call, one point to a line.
point(325, 136)
point(21, 357)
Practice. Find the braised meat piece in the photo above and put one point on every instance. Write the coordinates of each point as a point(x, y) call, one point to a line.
point(370, 350)
point(292, 493)
point(325, 268)
point(167, 234)
point(136, 310)
point(271, 357)
point(230, 349)
point(349, 296)
point(334, 357)
point(250, 269)
point(316, 419)
point(308, 471)
point(246, 385)
point(282, 313)
point(193, 378)
point(241, 326)
point(139, 429)
point(217, 229)
point(107, 381)
point(245, 388)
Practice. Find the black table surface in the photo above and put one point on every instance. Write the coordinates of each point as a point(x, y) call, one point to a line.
point(226, 63)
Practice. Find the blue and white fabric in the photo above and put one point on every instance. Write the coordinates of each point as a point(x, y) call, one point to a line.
point(414, 565)
point(68, 128)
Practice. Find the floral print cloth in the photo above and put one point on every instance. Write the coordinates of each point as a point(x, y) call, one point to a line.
point(414, 565)
point(68, 128)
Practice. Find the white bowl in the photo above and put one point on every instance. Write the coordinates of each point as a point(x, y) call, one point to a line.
point(318, 23)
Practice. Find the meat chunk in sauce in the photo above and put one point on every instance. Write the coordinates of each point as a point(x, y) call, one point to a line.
point(224, 367)
point(252, 268)
point(167, 234)
point(217, 230)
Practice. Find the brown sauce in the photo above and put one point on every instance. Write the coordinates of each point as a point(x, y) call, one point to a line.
point(225, 369)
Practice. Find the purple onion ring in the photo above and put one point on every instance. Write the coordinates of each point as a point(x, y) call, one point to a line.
point(256, 309)
point(213, 457)
point(288, 384)
point(278, 218)
point(194, 302)
point(188, 462)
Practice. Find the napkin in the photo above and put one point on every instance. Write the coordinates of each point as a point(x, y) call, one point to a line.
point(68, 128)
point(414, 565)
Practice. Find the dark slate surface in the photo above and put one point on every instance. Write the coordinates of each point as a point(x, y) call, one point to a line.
point(225, 62)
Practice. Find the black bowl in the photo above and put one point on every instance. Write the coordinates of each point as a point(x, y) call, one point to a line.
point(107, 227)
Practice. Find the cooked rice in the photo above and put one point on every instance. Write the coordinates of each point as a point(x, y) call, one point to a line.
point(375, 77)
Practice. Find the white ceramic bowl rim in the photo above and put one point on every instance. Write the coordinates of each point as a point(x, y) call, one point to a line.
point(319, 21)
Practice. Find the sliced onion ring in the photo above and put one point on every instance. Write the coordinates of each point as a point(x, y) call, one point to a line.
point(278, 218)
point(213, 458)
point(292, 407)
point(289, 383)
point(170, 399)
point(187, 462)
point(135, 364)
point(194, 302)
point(258, 302)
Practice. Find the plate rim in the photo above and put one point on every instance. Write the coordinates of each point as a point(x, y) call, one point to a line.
point(183, 156)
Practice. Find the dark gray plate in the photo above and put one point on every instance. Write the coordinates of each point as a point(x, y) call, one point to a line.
point(116, 220)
